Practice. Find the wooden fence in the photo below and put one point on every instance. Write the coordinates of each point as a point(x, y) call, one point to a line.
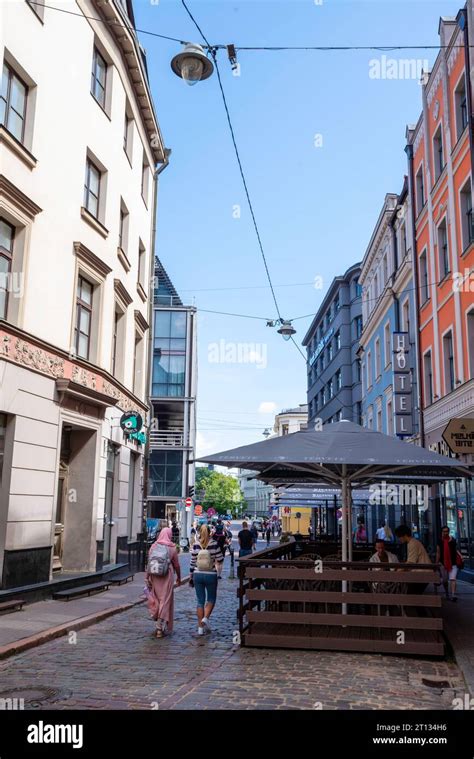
point(291, 600)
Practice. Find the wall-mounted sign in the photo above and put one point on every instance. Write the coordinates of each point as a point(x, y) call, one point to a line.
point(459, 435)
point(320, 346)
point(131, 422)
point(402, 384)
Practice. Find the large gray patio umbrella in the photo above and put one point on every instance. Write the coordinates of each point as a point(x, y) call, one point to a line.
point(344, 455)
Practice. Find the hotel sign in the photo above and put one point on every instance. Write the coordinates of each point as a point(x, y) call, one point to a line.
point(459, 435)
point(321, 345)
point(402, 384)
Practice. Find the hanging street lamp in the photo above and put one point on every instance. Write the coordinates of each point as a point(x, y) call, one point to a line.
point(192, 64)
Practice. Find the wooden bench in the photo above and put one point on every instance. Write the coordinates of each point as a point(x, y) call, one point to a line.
point(83, 590)
point(121, 579)
point(15, 605)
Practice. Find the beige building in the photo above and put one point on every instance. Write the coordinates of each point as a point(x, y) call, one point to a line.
point(79, 150)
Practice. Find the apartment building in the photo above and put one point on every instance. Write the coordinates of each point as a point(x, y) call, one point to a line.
point(79, 147)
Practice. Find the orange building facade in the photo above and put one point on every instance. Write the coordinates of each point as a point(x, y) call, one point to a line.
point(440, 160)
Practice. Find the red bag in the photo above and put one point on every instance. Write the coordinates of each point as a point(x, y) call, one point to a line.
point(459, 560)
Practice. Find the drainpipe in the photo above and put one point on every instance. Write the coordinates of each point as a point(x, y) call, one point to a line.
point(396, 302)
point(156, 174)
point(416, 283)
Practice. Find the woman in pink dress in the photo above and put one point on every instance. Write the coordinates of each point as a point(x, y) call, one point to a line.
point(160, 596)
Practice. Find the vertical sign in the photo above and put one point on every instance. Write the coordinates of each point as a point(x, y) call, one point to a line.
point(402, 384)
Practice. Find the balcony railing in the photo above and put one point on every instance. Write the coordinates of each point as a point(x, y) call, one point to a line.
point(167, 439)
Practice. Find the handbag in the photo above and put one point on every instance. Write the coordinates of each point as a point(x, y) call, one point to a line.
point(459, 560)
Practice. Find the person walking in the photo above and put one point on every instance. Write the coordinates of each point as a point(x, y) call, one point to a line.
point(360, 533)
point(175, 532)
point(205, 557)
point(254, 532)
point(446, 555)
point(246, 540)
point(384, 533)
point(163, 565)
point(219, 535)
point(268, 534)
point(416, 554)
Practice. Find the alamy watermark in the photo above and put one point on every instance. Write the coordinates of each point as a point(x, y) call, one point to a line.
point(225, 352)
point(397, 68)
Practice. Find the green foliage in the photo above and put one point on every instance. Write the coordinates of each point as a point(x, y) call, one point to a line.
point(221, 491)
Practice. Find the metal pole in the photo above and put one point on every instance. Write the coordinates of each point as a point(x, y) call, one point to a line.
point(344, 528)
point(232, 572)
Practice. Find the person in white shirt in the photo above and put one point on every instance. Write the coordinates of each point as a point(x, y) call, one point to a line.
point(380, 557)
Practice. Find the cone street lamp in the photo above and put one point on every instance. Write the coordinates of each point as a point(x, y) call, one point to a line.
point(192, 64)
point(286, 329)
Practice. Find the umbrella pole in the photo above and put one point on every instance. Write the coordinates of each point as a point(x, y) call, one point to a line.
point(344, 528)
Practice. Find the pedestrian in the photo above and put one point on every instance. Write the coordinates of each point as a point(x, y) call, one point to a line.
point(163, 565)
point(360, 533)
point(175, 532)
point(246, 540)
point(447, 556)
point(416, 554)
point(219, 535)
point(193, 535)
point(205, 557)
point(385, 533)
point(268, 534)
point(254, 531)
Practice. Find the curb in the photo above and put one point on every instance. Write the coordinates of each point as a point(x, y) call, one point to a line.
point(57, 632)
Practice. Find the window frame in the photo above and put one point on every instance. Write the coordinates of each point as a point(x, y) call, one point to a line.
point(91, 164)
point(13, 74)
point(80, 306)
point(8, 256)
point(95, 55)
point(438, 152)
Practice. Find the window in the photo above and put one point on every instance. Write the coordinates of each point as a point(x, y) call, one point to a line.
point(92, 189)
point(470, 342)
point(443, 251)
point(118, 343)
point(337, 304)
point(460, 105)
point(337, 341)
point(330, 353)
point(438, 157)
point(166, 473)
point(323, 396)
point(403, 241)
point(338, 380)
point(138, 364)
point(169, 357)
point(358, 326)
point(145, 179)
point(330, 389)
point(13, 97)
point(420, 190)
point(424, 278)
point(385, 271)
point(98, 77)
point(378, 361)
point(369, 370)
point(389, 417)
point(448, 362)
point(358, 412)
point(7, 236)
point(428, 377)
point(467, 225)
point(379, 420)
point(123, 227)
point(363, 375)
point(370, 418)
point(358, 370)
point(83, 317)
point(285, 429)
point(141, 264)
point(387, 346)
point(358, 289)
point(128, 134)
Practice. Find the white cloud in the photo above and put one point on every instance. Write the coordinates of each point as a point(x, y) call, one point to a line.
point(267, 407)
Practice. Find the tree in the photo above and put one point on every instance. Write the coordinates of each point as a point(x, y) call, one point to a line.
point(217, 490)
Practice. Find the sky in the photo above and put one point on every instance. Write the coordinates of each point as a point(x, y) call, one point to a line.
point(321, 136)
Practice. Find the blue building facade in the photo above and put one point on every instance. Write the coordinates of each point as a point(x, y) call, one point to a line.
point(387, 348)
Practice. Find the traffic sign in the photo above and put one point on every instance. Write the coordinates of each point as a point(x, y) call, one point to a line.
point(211, 512)
point(198, 510)
point(459, 435)
point(188, 502)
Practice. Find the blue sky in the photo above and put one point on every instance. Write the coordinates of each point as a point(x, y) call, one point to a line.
point(315, 206)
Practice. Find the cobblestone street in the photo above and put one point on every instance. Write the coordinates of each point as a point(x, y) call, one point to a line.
point(117, 664)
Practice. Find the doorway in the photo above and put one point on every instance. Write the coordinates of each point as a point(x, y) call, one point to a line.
point(112, 453)
point(61, 497)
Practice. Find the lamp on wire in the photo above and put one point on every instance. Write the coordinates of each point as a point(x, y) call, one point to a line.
point(192, 64)
point(286, 328)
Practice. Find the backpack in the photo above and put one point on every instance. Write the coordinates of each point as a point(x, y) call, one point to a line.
point(219, 531)
point(204, 561)
point(159, 561)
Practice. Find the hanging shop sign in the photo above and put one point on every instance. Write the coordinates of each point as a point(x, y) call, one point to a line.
point(402, 384)
point(131, 423)
point(459, 435)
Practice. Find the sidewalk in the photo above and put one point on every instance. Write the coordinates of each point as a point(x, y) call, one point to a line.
point(459, 628)
point(45, 620)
